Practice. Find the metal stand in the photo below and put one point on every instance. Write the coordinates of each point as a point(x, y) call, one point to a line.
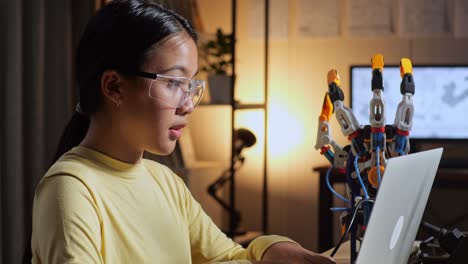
point(234, 215)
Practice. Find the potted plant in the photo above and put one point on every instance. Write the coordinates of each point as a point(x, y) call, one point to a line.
point(216, 60)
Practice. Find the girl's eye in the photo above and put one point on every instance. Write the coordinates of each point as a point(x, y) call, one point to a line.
point(174, 83)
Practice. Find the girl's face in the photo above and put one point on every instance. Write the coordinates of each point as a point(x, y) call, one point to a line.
point(155, 124)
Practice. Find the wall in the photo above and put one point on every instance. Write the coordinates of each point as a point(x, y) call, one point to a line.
point(298, 68)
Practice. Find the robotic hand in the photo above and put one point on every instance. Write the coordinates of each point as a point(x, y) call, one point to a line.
point(369, 144)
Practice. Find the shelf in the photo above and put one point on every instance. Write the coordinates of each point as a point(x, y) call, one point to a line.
point(250, 106)
point(213, 104)
point(239, 106)
point(235, 105)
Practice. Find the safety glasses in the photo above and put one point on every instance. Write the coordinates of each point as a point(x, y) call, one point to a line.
point(174, 91)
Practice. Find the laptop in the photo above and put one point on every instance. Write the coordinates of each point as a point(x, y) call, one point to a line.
point(399, 207)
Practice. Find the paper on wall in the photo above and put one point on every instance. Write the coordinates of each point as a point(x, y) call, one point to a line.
point(423, 17)
point(460, 25)
point(369, 17)
point(318, 18)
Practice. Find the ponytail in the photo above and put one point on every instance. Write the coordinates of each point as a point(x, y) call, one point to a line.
point(73, 134)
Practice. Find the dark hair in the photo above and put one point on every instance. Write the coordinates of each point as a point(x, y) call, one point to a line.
point(118, 37)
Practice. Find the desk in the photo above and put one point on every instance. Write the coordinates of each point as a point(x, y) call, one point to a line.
point(445, 178)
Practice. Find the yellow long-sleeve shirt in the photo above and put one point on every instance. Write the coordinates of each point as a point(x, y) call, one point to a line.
point(92, 208)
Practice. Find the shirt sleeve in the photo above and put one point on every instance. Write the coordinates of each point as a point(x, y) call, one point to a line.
point(66, 223)
point(210, 244)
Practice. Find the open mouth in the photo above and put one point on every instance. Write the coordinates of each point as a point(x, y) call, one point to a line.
point(175, 131)
point(178, 127)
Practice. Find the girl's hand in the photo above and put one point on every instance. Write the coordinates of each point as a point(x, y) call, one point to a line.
point(291, 253)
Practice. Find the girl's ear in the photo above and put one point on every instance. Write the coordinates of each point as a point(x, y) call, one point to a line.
point(111, 86)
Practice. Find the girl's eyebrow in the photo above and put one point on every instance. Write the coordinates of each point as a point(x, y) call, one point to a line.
point(178, 67)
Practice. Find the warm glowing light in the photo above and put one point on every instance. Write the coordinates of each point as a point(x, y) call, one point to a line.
point(253, 120)
point(286, 132)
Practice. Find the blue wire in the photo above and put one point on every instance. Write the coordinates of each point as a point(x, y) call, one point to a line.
point(377, 150)
point(339, 209)
point(402, 143)
point(327, 180)
point(356, 167)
